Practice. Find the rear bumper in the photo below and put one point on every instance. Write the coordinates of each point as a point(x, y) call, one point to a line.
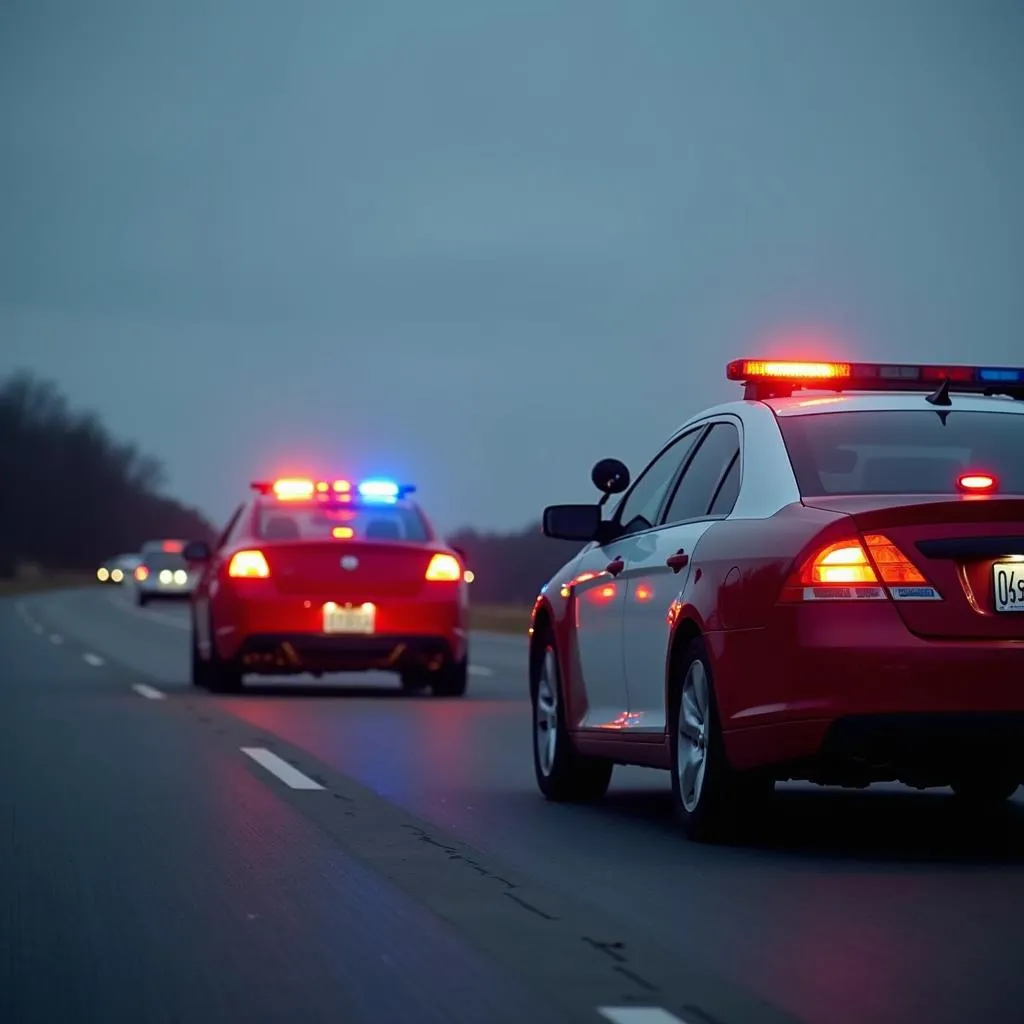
point(257, 623)
point(834, 686)
point(288, 653)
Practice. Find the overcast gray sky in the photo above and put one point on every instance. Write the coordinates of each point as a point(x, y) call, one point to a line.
point(480, 244)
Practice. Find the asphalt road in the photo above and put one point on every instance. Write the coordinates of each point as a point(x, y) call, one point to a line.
point(345, 854)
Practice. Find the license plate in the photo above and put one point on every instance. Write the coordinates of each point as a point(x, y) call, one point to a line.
point(1008, 586)
point(359, 618)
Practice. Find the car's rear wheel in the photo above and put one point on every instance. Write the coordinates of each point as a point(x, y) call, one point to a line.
point(563, 773)
point(451, 679)
point(217, 674)
point(141, 599)
point(712, 800)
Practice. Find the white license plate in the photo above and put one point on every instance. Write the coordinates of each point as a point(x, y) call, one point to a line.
point(1008, 586)
point(349, 619)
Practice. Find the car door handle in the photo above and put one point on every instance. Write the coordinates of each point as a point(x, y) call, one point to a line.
point(679, 561)
point(615, 566)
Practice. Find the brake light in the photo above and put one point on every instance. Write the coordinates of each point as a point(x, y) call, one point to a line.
point(851, 570)
point(444, 568)
point(141, 573)
point(248, 565)
point(975, 483)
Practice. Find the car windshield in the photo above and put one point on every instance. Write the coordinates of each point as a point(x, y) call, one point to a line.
point(903, 451)
point(350, 522)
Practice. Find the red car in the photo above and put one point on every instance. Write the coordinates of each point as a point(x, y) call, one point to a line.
point(824, 587)
point(329, 576)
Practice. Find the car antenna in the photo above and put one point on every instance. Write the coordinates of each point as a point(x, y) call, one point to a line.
point(940, 396)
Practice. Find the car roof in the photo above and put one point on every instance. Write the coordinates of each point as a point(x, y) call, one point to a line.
point(805, 403)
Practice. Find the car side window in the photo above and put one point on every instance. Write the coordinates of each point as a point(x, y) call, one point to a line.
point(639, 510)
point(703, 481)
point(728, 489)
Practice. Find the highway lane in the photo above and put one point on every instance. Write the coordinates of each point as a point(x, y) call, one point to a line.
point(150, 874)
point(877, 907)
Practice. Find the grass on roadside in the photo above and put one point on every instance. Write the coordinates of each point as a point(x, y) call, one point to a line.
point(500, 618)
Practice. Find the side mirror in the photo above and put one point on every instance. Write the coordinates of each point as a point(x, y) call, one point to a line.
point(572, 522)
point(196, 551)
point(610, 476)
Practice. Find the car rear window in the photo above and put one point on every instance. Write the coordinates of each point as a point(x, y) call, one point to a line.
point(903, 451)
point(162, 560)
point(355, 522)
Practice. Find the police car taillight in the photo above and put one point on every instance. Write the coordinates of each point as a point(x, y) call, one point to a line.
point(444, 568)
point(871, 569)
point(249, 564)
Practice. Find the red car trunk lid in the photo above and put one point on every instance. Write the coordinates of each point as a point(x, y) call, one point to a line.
point(347, 570)
point(971, 549)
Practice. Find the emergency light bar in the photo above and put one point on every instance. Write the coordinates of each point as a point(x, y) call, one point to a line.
point(302, 489)
point(779, 378)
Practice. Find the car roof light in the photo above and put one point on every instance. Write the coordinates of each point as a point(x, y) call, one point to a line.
point(779, 378)
point(379, 490)
point(173, 547)
point(974, 483)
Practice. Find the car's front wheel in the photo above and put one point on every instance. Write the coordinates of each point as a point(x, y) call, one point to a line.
point(563, 773)
point(712, 800)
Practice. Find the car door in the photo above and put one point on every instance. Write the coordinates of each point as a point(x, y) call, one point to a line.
point(705, 491)
point(599, 590)
point(205, 589)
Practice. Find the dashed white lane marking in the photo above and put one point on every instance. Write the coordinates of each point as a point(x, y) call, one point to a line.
point(92, 659)
point(56, 638)
point(480, 670)
point(638, 1015)
point(149, 692)
point(282, 769)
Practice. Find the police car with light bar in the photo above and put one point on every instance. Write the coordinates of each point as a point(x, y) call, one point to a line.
point(327, 576)
point(823, 581)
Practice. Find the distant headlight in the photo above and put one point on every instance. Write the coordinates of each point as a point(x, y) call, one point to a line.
point(117, 575)
point(102, 574)
point(166, 576)
point(180, 577)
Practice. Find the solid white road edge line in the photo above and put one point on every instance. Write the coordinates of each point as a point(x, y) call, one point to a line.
point(282, 769)
point(150, 692)
point(92, 659)
point(638, 1015)
point(55, 638)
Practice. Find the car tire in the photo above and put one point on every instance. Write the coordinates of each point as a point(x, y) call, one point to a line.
point(218, 675)
point(563, 774)
point(141, 599)
point(713, 802)
point(986, 790)
point(451, 679)
point(199, 669)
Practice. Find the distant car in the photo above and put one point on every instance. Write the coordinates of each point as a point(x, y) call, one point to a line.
point(818, 587)
point(329, 576)
point(162, 572)
point(116, 570)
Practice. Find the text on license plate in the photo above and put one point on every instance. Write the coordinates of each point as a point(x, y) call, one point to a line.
point(360, 618)
point(1008, 586)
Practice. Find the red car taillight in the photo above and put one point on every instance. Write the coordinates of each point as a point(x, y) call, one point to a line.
point(248, 565)
point(853, 570)
point(141, 573)
point(445, 568)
